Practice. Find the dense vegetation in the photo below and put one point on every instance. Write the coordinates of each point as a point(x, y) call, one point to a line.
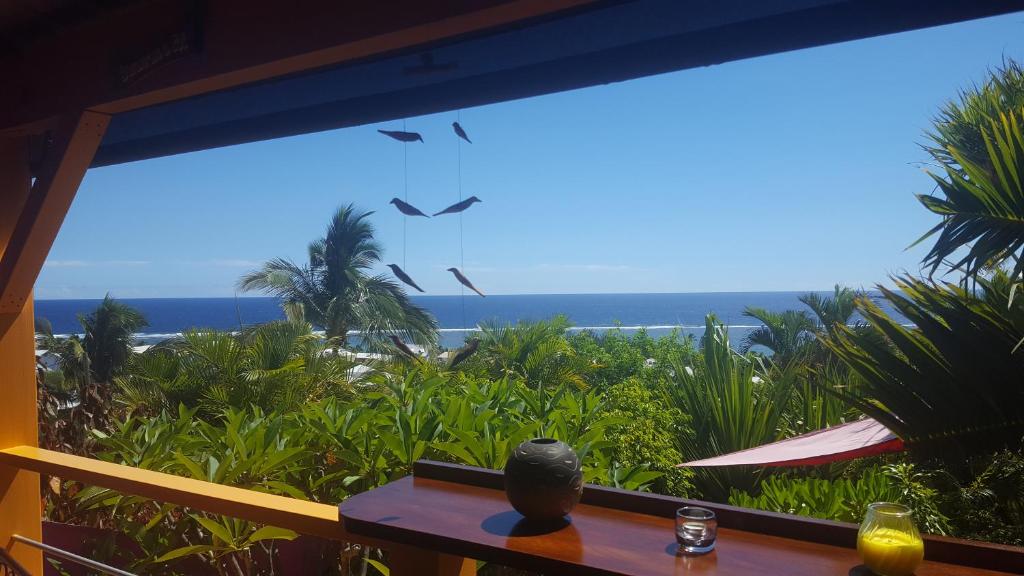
point(283, 409)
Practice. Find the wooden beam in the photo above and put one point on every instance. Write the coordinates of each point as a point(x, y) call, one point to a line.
point(240, 42)
point(68, 157)
point(412, 561)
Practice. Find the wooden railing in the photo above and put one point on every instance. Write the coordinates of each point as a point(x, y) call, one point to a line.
point(302, 516)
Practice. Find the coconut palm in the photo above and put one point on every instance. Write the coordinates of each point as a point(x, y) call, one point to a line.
point(108, 337)
point(337, 291)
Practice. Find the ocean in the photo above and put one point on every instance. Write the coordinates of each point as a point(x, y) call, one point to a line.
point(457, 315)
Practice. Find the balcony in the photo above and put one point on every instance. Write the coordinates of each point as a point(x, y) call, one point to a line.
point(121, 82)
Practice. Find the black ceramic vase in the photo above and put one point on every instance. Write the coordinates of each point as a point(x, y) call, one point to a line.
point(543, 479)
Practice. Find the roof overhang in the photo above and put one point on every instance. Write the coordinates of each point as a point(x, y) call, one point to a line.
point(573, 44)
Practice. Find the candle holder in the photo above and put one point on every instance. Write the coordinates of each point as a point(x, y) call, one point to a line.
point(888, 541)
point(696, 530)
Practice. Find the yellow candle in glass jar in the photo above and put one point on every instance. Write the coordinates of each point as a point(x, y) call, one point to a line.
point(890, 552)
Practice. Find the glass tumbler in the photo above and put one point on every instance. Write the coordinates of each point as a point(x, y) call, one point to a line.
point(888, 541)
point(696, 529)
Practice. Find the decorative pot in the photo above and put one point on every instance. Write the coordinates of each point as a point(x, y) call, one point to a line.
point(543, 479)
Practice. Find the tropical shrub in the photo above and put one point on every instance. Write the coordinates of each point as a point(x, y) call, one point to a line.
point(83, 398)
point(950, 384)
point(732, 404)
point(616, 355)
point(537, 353)
point(650, 435)
point(274, 366)
point(847, 499)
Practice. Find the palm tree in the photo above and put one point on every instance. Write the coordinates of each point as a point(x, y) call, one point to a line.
point(108, 337)
point(979, 144)
point(835, 310)
point(950, 384)
point(535, 352)
point(336, 290)
point(89, 366)
point(787, 334)
point(278, 365)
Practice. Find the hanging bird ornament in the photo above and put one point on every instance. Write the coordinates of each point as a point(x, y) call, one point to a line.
point(463, 353)
point(406, 208)
point(459, 206)
point(402, 136)
point(460, 132)
point(403, 347)
point(465, 281)
point(401, 275)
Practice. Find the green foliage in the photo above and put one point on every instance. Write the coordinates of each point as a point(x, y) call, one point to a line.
point(330, 449)
point(847, 499)
point(949, 385)
point(841, 499)
point(787, 334)
point(615, 355)
point(275, 366)
point(916, 492)
point(536, 353)
point(990, 505)
point(84, 397)
point(733, 405)
point(979, 144)
point(651, 435)
point(336, 291)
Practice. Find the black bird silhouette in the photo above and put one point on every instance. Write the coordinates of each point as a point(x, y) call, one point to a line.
point(459, 206)
point(465, 281)
point(460, 132)
point(402, 136)
point(403, 347)
point(398, 272)
point(463, 353)
point(406, 208)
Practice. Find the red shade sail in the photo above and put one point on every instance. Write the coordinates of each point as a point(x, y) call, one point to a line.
point(865, 437)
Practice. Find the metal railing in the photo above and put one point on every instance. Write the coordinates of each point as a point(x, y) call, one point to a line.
point(65, 555)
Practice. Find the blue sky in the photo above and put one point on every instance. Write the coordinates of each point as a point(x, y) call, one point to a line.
point(788, 172)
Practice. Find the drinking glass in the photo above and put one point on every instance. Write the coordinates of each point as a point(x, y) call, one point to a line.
point(696, 529)
point(888, 541)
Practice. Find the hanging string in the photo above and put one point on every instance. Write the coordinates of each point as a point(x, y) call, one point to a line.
point(462, 246)
point(405, 171)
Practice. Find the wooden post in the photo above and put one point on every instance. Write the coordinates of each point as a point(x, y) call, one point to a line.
point(20, 505)
point(411, 561)
point(30, 216)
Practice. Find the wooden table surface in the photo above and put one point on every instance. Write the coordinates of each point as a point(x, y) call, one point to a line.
point(479, 523)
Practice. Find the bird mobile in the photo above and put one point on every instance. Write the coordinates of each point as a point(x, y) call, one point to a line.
point(460, 132)
point(465, 281)
point(408, 209)
point(401, 275)
point(459, 206)
point(402, 136)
